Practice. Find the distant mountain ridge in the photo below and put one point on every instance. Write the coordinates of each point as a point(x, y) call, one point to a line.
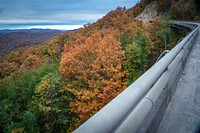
point(7, 31)
point(13, 39)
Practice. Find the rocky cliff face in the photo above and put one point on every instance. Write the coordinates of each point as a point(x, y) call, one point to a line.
point(149, 13)
point(179, 9)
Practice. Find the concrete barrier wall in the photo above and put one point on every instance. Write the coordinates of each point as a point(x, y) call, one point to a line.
point(155, 116)
point(153, 119)
point(144, 101)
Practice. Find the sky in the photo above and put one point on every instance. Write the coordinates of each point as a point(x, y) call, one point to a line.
point(55, 14)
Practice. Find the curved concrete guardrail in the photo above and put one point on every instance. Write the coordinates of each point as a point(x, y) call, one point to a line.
point(127, 112)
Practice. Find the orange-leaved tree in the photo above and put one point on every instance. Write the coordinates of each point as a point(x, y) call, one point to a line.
point(94, 74)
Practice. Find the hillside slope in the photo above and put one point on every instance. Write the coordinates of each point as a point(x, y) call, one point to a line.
point(57, 85)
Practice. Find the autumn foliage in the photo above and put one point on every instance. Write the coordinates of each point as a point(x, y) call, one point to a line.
point(58, 85)
point(94, 72)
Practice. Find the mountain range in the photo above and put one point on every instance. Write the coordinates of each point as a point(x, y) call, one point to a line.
point(13, 39)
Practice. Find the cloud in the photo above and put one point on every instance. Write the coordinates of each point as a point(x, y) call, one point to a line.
point(40, 8)
point(59, 18)
point(59, 27)
point(23, 21)
point(78, 17)
point(56, 11)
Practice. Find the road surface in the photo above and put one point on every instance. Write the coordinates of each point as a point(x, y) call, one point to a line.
point(183, 112)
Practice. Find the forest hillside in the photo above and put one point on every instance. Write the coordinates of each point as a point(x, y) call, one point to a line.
point(58, 85)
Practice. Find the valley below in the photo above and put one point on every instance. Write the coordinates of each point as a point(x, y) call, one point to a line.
point(14, 39)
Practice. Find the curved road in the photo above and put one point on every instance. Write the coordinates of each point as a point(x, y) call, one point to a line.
point(183, 112)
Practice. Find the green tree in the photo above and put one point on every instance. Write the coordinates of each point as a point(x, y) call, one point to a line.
point(133, 62)
point(137, 51)
point(51, 105)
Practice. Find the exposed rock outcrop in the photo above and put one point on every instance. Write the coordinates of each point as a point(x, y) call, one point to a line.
point(149, 12)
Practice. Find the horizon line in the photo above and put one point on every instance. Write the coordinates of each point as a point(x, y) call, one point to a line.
point(51, 27)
